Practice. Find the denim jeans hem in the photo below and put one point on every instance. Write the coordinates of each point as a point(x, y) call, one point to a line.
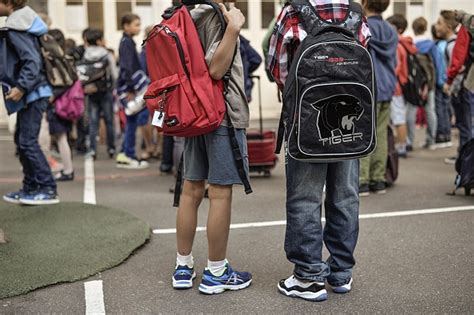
point(309, 278)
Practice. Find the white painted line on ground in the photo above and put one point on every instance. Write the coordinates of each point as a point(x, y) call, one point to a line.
point(6, 138)
point(362, 217)
point(94, 297)
point(89, 181)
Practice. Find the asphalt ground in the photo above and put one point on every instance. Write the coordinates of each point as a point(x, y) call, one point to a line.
point(405, 264)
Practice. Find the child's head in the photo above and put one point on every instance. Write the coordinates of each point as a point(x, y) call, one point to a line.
point(446, 24)
point(59, 37)
point(375, 6)
point(399, 22)
point(433, 33)
point(420, 26)
point(94, 37)
point(8, 6)
point(131, 24)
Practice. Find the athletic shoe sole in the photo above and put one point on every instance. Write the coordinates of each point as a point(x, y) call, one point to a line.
point(319, 296)
point(343, 288)
point(380, 192)
point(11, 200)
point(183, 284)
point(216, 289)
point(129, 167)
point(364, 194)
point(38, 202)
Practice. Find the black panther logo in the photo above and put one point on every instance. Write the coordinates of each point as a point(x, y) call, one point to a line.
point(336, 118)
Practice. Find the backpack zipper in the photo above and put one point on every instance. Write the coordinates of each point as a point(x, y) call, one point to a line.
point(180, 49)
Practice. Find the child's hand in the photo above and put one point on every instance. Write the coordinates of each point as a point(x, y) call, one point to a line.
point(234, 17)
point(15, 95)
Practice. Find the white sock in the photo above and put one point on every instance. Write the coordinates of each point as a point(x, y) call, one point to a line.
point(293, 281)
point(217, 268)
point(187, 260)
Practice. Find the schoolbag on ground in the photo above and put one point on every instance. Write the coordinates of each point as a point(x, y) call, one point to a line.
point(59, 67)
point(465, 168)
point(70, 105)
point(328, 100)
point(94, 76)
point(188, 102)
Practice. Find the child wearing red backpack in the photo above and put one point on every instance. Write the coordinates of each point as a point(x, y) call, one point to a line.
point(210, 158)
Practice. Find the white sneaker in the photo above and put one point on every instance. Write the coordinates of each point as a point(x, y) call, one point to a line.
point(343, 288)
point(132, 164)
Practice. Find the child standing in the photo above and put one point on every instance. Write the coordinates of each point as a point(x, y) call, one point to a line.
point(383, 48)
point(26, 92)
point(210, 157)
point(129, 63)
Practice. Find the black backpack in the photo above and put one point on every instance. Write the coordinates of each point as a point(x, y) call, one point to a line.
point(415, 90)
point(58, 66)
point(94, 75)
point(328, 100)
point(391, 173)
point(465, 168)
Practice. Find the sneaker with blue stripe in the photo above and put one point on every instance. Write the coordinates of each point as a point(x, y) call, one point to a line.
point(14, 197)
point(183, 277)
point(345, 288)
point(38, 198)
point(230, 280)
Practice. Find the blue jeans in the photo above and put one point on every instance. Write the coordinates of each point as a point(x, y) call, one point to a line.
point(442, 111)
point(304, 231)
point(101, 103)
point(36, 171)
point(462, 111)
point(128, 145)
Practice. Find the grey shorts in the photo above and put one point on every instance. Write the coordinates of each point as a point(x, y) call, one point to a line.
point(209, 157)
point(398, 111)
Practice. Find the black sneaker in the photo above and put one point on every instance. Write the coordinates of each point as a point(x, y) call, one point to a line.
point(364, 190)
point(409, 148)
point(62, 177)
point(378, 187)
point(311, 291)
point(111, 153)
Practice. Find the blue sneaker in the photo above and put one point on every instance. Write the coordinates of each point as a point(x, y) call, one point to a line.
point(183, 277)
point(345, 288)
point(14, 197)
point(230, 280)
point(39, 198)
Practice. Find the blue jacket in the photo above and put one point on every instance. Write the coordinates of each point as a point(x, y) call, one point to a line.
point(129, 63)
point(428, 47)
point(383, 48)
point(443, 67)
point(21, 64)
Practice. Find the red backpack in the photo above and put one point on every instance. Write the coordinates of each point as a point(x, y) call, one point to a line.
point(183, 97)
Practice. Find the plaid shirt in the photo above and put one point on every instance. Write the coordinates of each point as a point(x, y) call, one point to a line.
point(289, 32)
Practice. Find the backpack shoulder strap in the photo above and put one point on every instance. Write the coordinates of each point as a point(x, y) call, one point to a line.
point(307, 13)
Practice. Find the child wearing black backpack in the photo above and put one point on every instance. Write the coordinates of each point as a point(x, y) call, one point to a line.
point(26, 91)
point(383, 48)
point(100, 99)
point(305, 179)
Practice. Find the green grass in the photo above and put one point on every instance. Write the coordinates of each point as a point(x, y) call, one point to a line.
point(63, 243)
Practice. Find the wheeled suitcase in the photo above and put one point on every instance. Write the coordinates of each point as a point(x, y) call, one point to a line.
point(261, 143)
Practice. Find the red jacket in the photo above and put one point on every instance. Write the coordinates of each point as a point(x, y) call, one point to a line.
point(460, 51)
point(401, 71)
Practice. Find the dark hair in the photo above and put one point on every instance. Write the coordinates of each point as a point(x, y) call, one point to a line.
point(128, 18)
point(450, 18)
point(84, 32)
point(420, 25)
point(399, 22)
point(16, 4)
point(94, 35)
point(59, 37)
point(377, 6)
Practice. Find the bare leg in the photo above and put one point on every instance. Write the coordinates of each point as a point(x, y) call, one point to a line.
point(3, 238)
point(65, 152)
point(218, 222)
point(186, 219)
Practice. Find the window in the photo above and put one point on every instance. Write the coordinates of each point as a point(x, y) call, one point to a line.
point(400, 8)
point(144, 2)
point(73, 2)
point(268, 12)
point(122, 8)
point(95, 14)
point(244, 7)
point(40, 6)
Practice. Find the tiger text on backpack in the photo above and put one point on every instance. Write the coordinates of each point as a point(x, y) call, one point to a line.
point(328, 99)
